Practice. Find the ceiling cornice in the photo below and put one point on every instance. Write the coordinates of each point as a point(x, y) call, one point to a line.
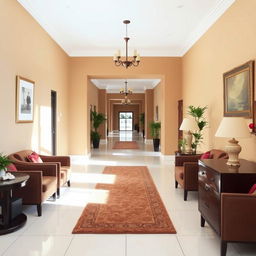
point(213, 16)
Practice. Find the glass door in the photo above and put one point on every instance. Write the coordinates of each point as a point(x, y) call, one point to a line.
point(125, 121)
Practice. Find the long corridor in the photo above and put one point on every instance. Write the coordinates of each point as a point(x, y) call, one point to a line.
point(51, 233)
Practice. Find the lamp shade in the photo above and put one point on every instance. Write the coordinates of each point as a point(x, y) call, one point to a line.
point(188, 125)
point(233, 127)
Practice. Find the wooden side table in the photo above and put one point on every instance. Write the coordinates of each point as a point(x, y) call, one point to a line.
point(9, 224)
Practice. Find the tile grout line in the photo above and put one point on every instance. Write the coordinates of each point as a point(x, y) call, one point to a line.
point(69, 245)
point(125, 245)
point(180, 245)
point(4, 252)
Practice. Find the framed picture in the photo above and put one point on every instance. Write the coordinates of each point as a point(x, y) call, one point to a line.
point(238, 91)
point(24, 100)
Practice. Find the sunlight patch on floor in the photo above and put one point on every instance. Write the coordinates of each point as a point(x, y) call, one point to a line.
point(93, 178)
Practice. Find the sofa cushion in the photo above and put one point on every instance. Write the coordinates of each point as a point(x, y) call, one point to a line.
point(206, 155)
point(35, 158)
point(11, 168)
point(48, 181)
point(253, 189)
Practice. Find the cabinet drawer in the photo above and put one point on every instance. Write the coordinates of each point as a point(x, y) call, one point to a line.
point(209, 177)
point(209, 205)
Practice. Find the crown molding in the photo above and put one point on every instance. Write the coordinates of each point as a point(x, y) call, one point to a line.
point(205, 24)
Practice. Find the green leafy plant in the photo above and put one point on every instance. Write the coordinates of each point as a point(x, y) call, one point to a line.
point(142, 119)
point(97, 120)
point(155, 129)
point(198, 114)
point(4, 162)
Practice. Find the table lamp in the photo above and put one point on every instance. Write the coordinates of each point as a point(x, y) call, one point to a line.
point(188, 125)
point(233, 127)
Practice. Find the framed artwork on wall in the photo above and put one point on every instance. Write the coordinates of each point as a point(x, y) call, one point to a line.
point(24, 100)
point(239, 91)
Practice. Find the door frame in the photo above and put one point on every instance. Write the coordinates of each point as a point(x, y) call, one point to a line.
point(119, 119)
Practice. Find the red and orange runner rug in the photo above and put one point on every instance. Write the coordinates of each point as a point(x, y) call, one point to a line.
point(133, 206)
point(126, 145)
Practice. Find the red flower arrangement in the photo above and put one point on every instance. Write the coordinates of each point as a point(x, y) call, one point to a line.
point(251, 125)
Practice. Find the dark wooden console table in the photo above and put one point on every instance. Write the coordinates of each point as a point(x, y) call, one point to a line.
point(8, 224)
point(216, 177)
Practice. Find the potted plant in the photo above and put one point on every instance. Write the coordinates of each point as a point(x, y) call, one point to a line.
point(198, 114)
point(4, 162)
point(155, 133)
point(142, 121)
point(181, 144)
point(97, 120)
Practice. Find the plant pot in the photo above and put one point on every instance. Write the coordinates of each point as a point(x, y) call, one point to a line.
point(2, 173)
point(96, 143)
point(156, 143)
point(143, 133)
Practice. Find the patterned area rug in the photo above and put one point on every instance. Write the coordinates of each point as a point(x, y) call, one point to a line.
point(133, 206)
point(126, 145)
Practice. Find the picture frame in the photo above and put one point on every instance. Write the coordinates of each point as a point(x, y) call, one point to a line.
point(24, 100)
point(239, 91)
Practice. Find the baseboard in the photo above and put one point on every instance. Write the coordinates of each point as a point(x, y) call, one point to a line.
point(103, 141)
point(168, 157)
point(148, 141)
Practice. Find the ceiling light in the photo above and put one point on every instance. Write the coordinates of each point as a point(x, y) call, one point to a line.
point(127, 63)
point(125, 90)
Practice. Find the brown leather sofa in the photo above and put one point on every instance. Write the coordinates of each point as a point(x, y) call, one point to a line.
point(41, 185)
point(238, 220)
point(186, 170)
point(62, 164)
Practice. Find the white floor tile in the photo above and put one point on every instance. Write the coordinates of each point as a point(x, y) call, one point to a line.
point(39, 246)
point(97, 245)
point(152, 245)
point(203, 245)
point(6, 241)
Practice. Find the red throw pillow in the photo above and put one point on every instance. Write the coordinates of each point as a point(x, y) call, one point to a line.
point(253, 189)
point(35, 158)
point(206, 155)
point(11, 168)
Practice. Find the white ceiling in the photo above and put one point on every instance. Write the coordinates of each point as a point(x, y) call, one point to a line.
point(95, 27)
point(114, 85)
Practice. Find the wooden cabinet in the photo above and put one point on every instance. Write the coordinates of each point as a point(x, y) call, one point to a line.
point(215, 177)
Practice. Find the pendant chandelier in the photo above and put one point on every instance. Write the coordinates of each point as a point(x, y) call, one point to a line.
point(125, 101)
point(127, 63)
point(125, 90)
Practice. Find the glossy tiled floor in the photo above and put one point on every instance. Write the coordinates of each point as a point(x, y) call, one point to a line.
point(51, 233)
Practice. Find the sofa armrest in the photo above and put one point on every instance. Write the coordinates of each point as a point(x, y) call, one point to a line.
point(64, 160)
point(238, 220)
point(191, 175)
point(45, 168)
point(32, 191)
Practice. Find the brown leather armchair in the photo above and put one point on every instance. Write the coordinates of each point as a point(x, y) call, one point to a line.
point(238, 220)
point(186, 170)
point(62, 164)
point(41, 185)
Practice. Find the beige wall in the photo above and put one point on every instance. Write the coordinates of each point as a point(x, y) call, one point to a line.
point(158, 102)
point(230, 42)
point(27, 50)
point(125, 108)
point(168, 69)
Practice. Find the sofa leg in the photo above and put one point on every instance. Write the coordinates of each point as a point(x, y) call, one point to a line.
point(58, 192)
point(202, 221)
point(54, 196)
point(185, 195)
point(223, 248)
point(176, 184)
point(39, 209)
point(68, 182)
